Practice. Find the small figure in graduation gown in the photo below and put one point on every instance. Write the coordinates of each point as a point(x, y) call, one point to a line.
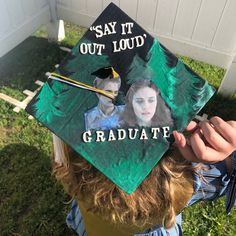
point(106, 114)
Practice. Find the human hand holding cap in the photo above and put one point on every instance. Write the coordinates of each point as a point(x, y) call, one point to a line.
point(210, 141)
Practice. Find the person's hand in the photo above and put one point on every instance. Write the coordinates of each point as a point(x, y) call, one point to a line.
point(210, 141)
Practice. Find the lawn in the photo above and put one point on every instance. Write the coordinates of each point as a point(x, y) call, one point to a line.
point(31, 202)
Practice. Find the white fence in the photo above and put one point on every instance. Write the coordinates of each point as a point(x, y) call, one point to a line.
point(201, 29)
point(19, 19)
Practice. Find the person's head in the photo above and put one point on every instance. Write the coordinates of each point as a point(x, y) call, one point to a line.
point(157, 200)
point(144, 105)
point(109, 85)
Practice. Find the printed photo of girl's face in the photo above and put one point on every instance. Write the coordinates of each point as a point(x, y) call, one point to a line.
point(144, 104)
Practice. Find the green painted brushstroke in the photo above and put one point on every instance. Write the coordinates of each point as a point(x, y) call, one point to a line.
point(57, 103)
point(125, 168)
point(184, 92)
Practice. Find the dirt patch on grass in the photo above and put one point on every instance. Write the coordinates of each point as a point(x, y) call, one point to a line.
point(5, 133)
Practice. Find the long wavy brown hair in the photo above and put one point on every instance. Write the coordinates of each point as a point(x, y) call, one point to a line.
point(158, 199)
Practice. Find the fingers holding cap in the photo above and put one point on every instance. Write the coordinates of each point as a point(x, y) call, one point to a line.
point(192, 126)
point(225, 129)
point(213, 137)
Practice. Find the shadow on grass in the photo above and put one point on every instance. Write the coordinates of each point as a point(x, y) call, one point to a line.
point(221, 106)
point(28, 62)
point(31, 201)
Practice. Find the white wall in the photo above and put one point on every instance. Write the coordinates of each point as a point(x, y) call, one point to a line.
point(200, 29)
point(19, 19)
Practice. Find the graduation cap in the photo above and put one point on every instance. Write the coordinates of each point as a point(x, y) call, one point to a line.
point(124, 140)
point(106, 72)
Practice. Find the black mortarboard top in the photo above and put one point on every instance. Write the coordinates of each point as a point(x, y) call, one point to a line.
point(105, 72)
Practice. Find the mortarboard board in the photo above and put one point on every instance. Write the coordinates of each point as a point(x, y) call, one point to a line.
point(123, 125)
point(106, 72)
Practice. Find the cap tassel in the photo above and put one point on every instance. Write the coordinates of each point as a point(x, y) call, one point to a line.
point(114, 73)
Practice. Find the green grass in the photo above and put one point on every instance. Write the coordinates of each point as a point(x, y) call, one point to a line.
point(31, 202)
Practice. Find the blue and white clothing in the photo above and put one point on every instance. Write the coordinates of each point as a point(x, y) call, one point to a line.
point(97, 120)
point(215, 183)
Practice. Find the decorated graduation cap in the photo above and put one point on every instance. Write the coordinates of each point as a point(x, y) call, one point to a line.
point(123, 124)
point(106, 72)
